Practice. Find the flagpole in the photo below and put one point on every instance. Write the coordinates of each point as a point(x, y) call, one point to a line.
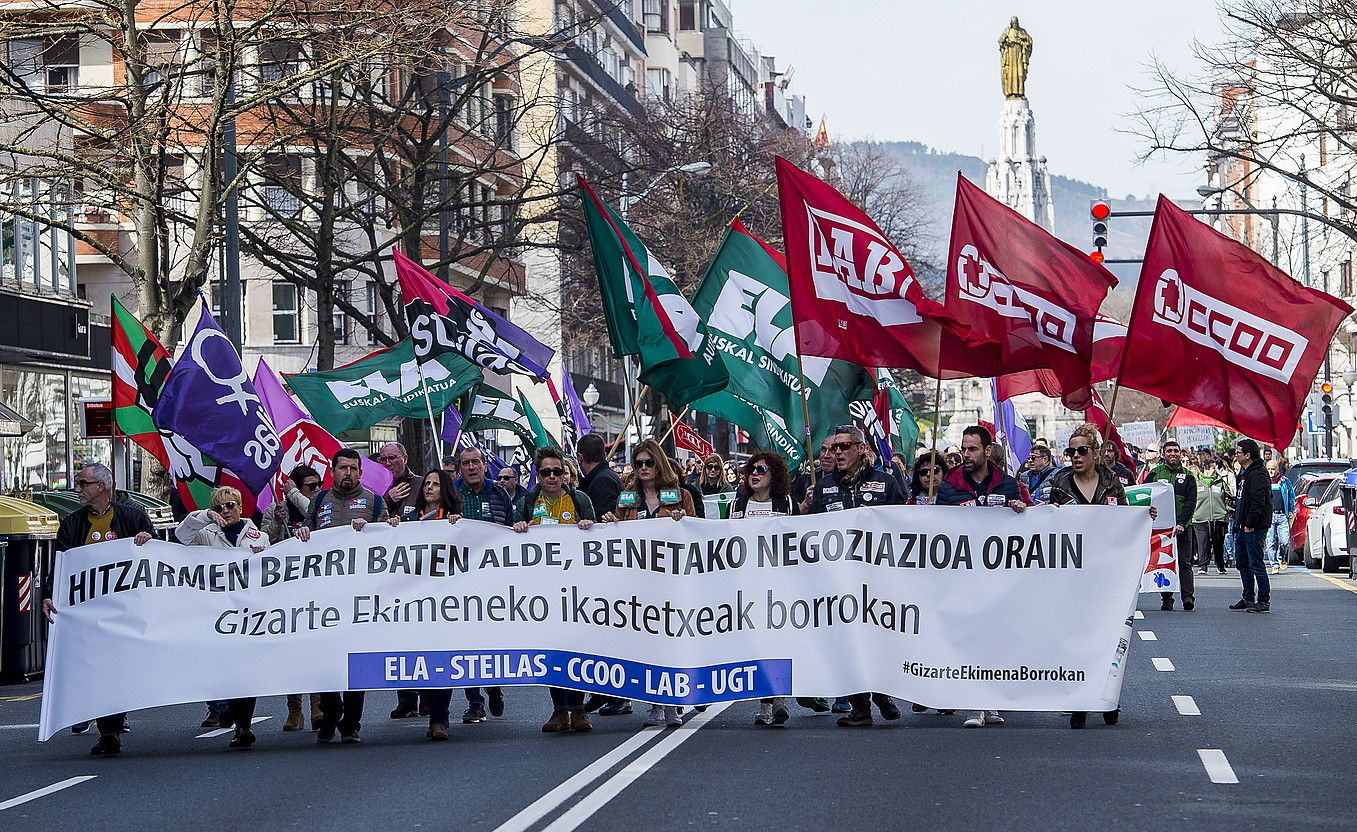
point(626, 423)
point(428, 406)
point(937, 423)
point(673, 423)
point(805, 405)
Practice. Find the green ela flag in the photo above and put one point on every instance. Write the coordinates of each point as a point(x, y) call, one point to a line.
point(541, 438)
point(904, 427)
point(490, 409)
point(385, 383)
point(745, 300)
point(646, 313)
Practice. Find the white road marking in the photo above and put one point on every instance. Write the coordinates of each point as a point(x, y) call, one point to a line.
point(613, 786)
point(1186, 705)
point(1162, 664)
point(44, 791)
point(15, 727)
point(1138, 615)
point(1147, 635)
point(544, 805)
point(1217, 767)
point(217, 732)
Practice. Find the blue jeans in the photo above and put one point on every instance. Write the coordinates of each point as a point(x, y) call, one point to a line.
point(1252, 570)
point(1278, 539)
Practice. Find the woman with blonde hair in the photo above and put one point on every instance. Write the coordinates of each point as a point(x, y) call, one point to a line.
point(651, 490)
point(712, 478)
point(223, 526)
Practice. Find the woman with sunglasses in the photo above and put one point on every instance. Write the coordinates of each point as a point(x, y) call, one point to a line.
point(712, 479)
point(651, 490)
point(552, 503)
point(929, 471)
point(1087, 482)
point(437, 499)
point(223, 527)
point(285, 516)
point(765, 492)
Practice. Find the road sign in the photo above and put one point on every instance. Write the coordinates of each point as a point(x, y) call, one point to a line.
point(1314, 420)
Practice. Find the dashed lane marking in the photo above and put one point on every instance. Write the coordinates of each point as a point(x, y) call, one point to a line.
point(17, 727)
point(1186, 705)
point(44, 791)
point(28, 697)
point(217, 732)
point(1217, 767)
point(1162, 664)
point(1147, 635)
point(1138, 615)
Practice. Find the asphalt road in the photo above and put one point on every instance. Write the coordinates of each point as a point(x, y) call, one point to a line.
point(1277, 696)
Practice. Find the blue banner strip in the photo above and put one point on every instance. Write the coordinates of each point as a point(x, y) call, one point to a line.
point(657, 684)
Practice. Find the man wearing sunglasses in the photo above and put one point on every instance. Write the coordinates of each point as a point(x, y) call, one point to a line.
point(854, 483)
point(1172, 471)
point(99, 520)
point(1039, 473)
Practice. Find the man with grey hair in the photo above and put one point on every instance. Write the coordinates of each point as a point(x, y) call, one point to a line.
point(100, 519)
point(854, 483)
point(404, 491)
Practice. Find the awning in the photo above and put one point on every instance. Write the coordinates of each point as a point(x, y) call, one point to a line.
point(12, 423)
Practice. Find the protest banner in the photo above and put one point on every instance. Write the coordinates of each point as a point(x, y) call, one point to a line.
point(1161, 569)
point(1026, 611)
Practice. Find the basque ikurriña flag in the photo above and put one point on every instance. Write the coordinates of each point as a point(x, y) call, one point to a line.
point(442, 319)
point(855, 297)
point(1010, 281)
point(1219, 330)
point(647, 316)
point(210, 401)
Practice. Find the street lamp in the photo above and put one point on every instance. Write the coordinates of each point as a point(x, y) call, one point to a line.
point(590, 396)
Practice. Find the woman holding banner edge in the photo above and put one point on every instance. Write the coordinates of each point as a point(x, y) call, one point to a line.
point(1086, 482)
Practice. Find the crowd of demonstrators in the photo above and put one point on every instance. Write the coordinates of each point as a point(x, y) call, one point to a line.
point(1213, 506)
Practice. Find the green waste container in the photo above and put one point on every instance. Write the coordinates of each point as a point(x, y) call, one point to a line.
point(27, 548)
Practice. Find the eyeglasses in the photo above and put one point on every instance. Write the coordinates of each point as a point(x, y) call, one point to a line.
point(312, 485)
point(550, 472)
point(387, 458)
point(646, 462)
point(843, 446)
point(931, 472)
point(85, 483)
point(506, 478)
point(1082, 450)
point(231, 504)
point(761, 470)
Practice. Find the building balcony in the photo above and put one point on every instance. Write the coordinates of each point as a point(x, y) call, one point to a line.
point(592, 70)
point(628, 28)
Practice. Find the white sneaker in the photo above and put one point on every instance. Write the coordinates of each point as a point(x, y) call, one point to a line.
point(993, 718)
point(976, 720)
point(765, 714)
point(671, 716)
point(655, 717)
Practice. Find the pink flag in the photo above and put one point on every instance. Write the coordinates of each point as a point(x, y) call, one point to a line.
point(304, 441)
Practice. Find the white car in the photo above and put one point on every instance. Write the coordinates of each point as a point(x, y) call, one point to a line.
point(1326, 532)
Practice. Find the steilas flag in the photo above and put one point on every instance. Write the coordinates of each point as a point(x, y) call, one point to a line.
point(855, 297)
point(1109, 339)
point(1010, 281)
point(1219, 330)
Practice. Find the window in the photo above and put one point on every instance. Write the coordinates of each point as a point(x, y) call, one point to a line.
point(372, 310)
point(657, 16)
point(657, 83)
point(1323, 150)
point(46, 65)
point(282, 175)
point(504, 122)
point(341, 321)
point(286, 320)
point(214, 301)
point(1345, 278)
point(278, 61)
point(162, 56)
point(688, 15)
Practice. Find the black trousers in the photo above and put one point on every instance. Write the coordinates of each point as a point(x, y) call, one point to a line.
point(242, 711)
point(111, 724)
point(344, 711)
point(862, 702)
point(1209, 539)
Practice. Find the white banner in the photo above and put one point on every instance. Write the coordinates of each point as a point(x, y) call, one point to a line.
point(1161, 568)
point(1196, 436)
point(949, 607)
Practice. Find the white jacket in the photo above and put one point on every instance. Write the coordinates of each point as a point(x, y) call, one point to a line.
point(197, 530)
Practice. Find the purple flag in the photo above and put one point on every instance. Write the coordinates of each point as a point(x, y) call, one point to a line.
point(578, 416)
point(1011, 429)
point(211, 402)
point(452, 425)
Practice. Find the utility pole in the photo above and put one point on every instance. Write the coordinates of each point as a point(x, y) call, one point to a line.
point(230, 277)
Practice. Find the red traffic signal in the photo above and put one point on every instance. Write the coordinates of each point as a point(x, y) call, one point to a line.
point(1100, 210)
point(1096, 257)
point(1326, 388)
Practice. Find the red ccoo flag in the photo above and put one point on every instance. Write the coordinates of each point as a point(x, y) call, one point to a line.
point(1010, 281)
point(1219, 330)
point(855, 297)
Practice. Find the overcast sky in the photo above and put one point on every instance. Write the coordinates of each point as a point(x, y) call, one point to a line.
point(928, 71)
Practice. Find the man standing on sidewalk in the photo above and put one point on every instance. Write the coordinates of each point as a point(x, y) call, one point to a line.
point(1252, 511)
point(1184, 485)
point(1278, 547)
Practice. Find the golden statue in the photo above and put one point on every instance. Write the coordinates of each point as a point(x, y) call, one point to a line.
point(1015, 53)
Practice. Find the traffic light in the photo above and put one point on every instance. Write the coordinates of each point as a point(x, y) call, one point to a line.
point(1100, 212)
point(1326, 402)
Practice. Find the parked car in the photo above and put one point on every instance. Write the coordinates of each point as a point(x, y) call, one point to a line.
point(1301, 467)
point(1326, 545)
point(1309, 490)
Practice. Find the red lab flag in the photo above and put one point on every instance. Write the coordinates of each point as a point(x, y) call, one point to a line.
point(1109, 339)
point(855, 297)
point(1219, 330)
point(1012, 282)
